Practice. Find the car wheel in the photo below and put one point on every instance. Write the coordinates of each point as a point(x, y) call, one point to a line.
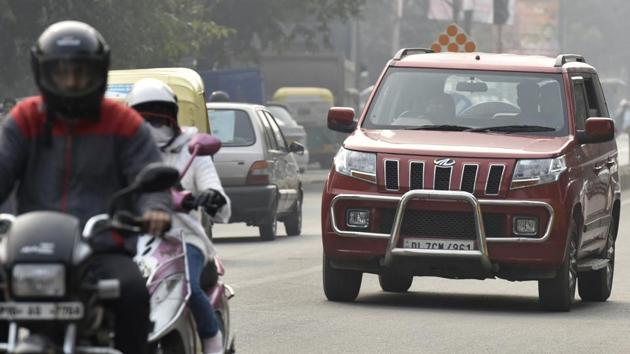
point(269, 229)
point(393, 282)
point(293, 221)
point(596, 285)
point(557, 294)
point(341, 285)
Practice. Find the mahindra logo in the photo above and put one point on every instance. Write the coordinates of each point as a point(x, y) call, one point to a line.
point(444, 162)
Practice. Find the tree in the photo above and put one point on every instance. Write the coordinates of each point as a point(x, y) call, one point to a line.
point(140, 33)
point(272, 24)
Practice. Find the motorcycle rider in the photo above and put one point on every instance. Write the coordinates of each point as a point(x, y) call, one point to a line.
point(70, 150)
point(157, 103)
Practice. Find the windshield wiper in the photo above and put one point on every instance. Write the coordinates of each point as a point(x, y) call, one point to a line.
point(513, 129)
point(445, 127)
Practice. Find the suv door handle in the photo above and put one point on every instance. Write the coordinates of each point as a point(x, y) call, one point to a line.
point(596, 169)
point(610, 163)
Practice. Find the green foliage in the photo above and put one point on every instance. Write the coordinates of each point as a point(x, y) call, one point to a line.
point(273, 24)
point(150, 33)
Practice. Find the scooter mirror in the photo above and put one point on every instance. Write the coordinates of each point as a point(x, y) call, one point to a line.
point(205, 144)
point(156, 177)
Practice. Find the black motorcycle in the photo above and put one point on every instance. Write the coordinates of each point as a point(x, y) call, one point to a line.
point(53, 304)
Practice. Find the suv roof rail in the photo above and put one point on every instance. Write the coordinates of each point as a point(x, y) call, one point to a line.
point(566, 58)
point(408, 51)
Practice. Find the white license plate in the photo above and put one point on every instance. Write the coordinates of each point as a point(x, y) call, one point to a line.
point(439, 244)
point(41, 310)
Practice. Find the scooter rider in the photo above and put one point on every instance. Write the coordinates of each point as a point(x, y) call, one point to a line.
point(70, 150)
point(157, 103)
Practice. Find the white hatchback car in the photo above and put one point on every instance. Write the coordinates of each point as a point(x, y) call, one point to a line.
point(257, 167)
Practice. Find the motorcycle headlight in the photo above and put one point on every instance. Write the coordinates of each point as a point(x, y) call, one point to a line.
point(536, 172)
point(39, 280)
point(360, 165)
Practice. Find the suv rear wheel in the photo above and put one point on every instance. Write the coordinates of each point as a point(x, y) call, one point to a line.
point(596, 285)
point(341, 285)
point(557, 294)
point(394, 282)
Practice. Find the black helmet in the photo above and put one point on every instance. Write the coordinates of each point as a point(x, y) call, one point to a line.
point(70, 62)
point(219, 96)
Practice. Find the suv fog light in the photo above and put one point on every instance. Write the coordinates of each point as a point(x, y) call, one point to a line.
point(525, 225)
point(358, 218)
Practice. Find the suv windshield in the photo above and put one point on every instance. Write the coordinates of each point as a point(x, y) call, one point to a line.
point(232, 127)
point(466, 100)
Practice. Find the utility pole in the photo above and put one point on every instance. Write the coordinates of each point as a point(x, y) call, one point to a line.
point(398, 11)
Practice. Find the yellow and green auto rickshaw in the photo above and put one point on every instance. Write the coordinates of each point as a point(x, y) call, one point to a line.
point(309, 107)
point(186, 83)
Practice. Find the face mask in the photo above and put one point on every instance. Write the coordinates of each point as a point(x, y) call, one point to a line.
point(161, 135)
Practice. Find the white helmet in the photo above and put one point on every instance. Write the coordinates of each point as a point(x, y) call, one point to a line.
point(148, 93)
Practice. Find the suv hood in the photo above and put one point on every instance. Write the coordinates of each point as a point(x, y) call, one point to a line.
point(457, 144)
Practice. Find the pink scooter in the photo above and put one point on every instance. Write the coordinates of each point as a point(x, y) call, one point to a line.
point(163, 263)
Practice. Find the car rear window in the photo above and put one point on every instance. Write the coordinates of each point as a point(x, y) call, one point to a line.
point(232, 127)
point(283, 117)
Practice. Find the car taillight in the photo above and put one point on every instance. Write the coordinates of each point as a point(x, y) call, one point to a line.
point(259, 173)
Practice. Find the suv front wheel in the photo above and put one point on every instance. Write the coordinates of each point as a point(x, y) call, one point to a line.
point(341, 285)
point(557, 294)
point(596, 285)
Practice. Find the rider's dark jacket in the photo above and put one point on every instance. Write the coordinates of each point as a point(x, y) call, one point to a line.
point(74, 167)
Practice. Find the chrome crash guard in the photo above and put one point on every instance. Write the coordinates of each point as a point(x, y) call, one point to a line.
point(446, 263)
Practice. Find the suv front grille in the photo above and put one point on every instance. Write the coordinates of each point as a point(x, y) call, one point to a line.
point(442, 179)
point(469, 178)
point(466, 175)
point(416, 175)
point(442, 224)
point(391, 175)
point(494, 179)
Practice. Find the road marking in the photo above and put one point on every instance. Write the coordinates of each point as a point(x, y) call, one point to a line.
point(625, 202)
point(272, 278)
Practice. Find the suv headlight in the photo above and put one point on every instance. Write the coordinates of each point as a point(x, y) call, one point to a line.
point(360, 165)
point(536, 172)
point(39, 280)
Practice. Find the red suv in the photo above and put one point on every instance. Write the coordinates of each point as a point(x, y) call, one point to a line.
point(475, 165)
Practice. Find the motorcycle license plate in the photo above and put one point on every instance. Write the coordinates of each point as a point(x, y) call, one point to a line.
point(438, 244)
point(41, 310)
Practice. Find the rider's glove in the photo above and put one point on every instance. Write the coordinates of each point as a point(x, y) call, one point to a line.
point(211, 200)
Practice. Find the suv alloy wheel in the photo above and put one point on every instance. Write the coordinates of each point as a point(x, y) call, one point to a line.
point(596, 285)
point(557, 294)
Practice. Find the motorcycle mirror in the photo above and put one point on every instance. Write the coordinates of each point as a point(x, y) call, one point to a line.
point(204, 144)
point(156, 177)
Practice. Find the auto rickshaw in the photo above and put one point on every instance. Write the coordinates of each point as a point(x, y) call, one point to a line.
point(309, 107)
point(186, 83)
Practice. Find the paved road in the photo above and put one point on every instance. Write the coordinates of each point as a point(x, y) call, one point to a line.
point(280, 306)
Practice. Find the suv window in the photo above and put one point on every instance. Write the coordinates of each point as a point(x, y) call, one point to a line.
point(409, 98)
point(277, 132)
point(233, 127)
point(579, 99)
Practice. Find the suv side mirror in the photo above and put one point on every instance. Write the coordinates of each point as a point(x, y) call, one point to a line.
point(341, 119)
point(296, 148)
point(597, 130)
